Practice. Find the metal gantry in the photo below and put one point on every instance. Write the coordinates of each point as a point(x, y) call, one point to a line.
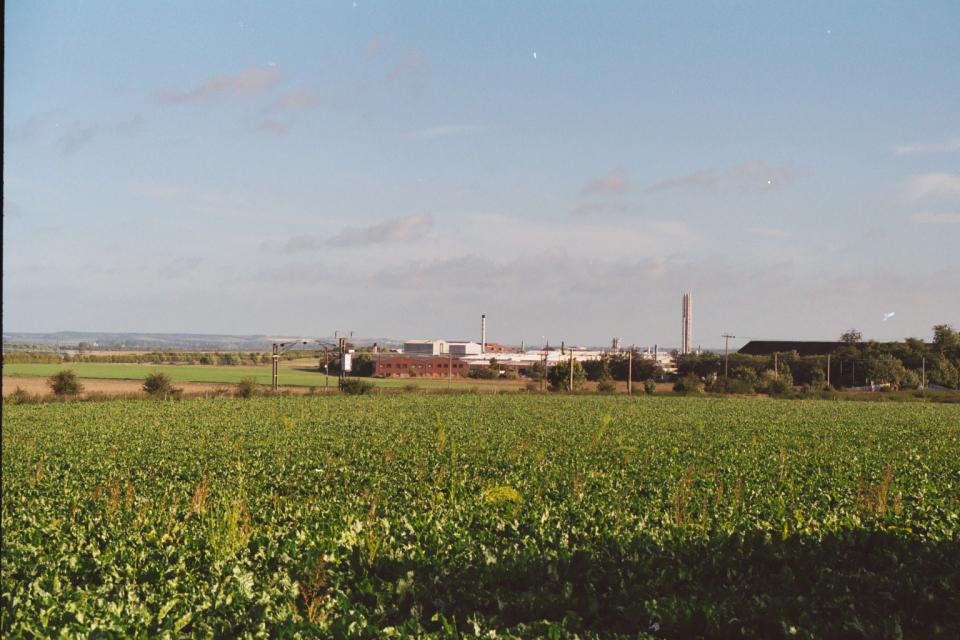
point(280, 348)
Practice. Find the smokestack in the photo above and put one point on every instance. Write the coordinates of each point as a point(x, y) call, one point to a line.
point(483, 333)
point(686, 345)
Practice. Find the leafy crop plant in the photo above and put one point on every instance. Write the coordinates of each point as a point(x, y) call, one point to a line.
point(481, 516)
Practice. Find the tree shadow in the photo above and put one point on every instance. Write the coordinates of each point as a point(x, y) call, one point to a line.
point(855, 584)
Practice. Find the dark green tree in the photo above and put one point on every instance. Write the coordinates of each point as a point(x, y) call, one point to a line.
point(851, 336)
point(885, 369)
point(688, 384)
point(247, 388)
point(946, 341)
point(159, 385)
point(362, 364)
point(65, 383)
point(747, 375)
point(559, 376)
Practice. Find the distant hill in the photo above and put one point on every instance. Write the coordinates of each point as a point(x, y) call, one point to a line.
point(149, 341)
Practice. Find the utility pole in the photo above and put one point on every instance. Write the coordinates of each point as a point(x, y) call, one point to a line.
point(326, 370)
point(275, 372)
point(923, 372)
point(342, 348)
point(726, 353)
point(828, 369)
point(776, 365)
point(543, 372)
point(571, 371)
point(630, 371)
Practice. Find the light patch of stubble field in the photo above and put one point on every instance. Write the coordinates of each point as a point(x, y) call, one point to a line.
point(290, 376)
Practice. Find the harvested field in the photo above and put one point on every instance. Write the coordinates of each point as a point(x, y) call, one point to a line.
point(38, 386)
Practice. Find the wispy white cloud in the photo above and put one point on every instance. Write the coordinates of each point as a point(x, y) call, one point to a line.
point(587, 209)
point(412, 64)
point(689, 182)
point(605, 208)
point(251, 82)
point(75, 136)
point(279, 116)
point(229, 205)
point(746, 176)
point(932, 184)
point(932, 217)
point(950, 145)
point(374, 46)
point(767, 232)
point(406, 229)
point(443, 131)
point(614, 182)
point(756, 175)
point(499, 236)
point(394, 231)
point(554, 270)
point(33, 127)
point(273, 127)
point(301, 99)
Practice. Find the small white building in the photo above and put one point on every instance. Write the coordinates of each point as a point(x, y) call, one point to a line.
point(662, 357)
point(465, 348)
point(425, 347)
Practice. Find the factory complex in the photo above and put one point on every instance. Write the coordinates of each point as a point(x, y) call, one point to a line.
point(435, 357)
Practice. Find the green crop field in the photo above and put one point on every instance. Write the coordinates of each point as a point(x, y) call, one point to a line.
point(530, 516)
point(289, 376)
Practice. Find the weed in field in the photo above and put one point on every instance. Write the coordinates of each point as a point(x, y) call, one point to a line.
point(876, 499)
point(227, 525)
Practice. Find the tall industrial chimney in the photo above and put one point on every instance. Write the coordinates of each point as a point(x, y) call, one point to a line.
point(483, 333)
point(687, 341)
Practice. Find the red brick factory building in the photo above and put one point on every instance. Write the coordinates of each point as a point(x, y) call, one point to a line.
point(419, 366)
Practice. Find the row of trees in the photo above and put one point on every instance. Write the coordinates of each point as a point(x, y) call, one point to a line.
point(221, 358)
point(901, 365)
point(605, 371)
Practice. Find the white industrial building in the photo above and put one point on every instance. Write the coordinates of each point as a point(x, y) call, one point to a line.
point(555, 356)
point(425, 347)
point(460, 349)
point(529, 358)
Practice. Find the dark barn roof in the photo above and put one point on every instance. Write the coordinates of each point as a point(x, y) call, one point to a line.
point(804, 348)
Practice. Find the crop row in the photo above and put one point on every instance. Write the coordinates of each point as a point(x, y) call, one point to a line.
point(527, 516)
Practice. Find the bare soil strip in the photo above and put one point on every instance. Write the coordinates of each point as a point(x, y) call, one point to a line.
point(38, 386)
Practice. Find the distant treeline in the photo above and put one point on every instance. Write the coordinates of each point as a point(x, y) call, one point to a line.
point(901, 365)
point(227, 358)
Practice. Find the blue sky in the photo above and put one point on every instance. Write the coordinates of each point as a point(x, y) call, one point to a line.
point(397, 169)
